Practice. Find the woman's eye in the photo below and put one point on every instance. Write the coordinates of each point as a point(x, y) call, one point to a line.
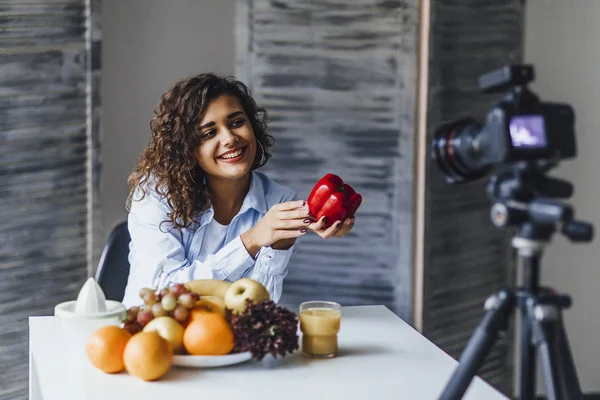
point(237, 123)
point(208, 134)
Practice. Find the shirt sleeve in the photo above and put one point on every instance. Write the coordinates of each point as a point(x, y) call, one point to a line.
point(157, 254)
point(271, 265)
point(271, 268)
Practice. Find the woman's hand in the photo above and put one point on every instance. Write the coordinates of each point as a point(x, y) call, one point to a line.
point(338, 229)
point(279, 228)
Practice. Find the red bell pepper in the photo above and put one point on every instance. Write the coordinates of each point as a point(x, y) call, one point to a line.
point(334, 199)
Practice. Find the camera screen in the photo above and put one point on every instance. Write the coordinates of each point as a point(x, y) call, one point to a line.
point(528, 131)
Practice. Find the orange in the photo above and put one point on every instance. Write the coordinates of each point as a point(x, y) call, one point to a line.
point(105, 348)
point(148, 356)
point(208, 334)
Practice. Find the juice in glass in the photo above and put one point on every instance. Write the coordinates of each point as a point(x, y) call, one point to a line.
point(320, 323)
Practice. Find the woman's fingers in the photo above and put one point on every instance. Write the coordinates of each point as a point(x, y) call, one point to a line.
point(338, 229)
point(290, 205)
point(345, 228)
point(293, 223)
point(318, 226)
point(299, 213)
point(291, 233)
point(331, 231)
point(293, 219)
point(293, 210)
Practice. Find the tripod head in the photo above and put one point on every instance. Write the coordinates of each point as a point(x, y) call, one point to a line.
point(522, 197)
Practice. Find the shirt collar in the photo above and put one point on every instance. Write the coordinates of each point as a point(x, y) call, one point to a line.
point(255, 199)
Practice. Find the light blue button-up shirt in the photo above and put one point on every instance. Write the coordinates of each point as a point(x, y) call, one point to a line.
point(165, 255)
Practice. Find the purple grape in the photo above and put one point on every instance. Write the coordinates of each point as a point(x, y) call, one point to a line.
point(144, 317)
point(178, 290)
point(132, 327)
point(181, 314)
point(132, 313)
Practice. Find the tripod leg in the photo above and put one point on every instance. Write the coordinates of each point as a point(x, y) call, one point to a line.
point(569, 372)
point(527, 363)
point(499, 307)
point(560, 377)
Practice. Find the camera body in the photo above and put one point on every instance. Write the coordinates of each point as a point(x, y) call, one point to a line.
point(519, 127)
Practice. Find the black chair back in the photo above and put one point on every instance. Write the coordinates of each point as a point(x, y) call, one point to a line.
point(113, 268)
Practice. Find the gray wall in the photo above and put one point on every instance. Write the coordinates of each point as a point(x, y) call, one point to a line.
point(147, 46)
point(561, 39)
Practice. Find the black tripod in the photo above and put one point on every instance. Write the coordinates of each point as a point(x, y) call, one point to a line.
point(515, 194)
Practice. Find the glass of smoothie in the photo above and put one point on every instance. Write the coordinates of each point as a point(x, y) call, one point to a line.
point(320, 323)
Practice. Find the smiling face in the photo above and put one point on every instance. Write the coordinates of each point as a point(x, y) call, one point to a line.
point(227, 142)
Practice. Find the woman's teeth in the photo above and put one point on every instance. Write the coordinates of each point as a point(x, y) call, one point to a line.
point(235, 154)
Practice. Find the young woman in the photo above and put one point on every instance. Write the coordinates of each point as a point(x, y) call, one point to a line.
point(197, 207)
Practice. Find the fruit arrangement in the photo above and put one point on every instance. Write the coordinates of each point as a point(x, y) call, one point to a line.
point(200, 318)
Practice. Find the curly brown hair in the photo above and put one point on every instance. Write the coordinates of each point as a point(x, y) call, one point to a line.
point(168, 161)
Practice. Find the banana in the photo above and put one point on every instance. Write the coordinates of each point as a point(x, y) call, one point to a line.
point(212, 303)
point(214, 299)
point(208, 287)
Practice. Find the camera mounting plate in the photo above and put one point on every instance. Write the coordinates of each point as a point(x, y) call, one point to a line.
point(508, 76)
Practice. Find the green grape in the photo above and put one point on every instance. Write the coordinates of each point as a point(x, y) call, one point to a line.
point(187, 300)
point(144, 291)
point(169, 302)
point(150, 298)
point(181, 314)
point(158, 310)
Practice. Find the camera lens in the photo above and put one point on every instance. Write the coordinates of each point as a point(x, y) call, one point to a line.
point(455, 150)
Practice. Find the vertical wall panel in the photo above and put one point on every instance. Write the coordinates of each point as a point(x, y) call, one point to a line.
point(44, 90)
point(96, 234)
point(466, 257)
point(337, 79)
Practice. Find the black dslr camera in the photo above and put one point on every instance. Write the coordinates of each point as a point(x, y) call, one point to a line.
point(525, 138)
point(519, 127)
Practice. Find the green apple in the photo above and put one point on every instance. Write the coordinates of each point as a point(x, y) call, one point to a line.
point(168, 328)
point(243, 289)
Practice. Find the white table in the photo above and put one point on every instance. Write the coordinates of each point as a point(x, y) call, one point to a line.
point(380, 357)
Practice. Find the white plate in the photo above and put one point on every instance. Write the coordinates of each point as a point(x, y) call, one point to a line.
point(211, 361)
